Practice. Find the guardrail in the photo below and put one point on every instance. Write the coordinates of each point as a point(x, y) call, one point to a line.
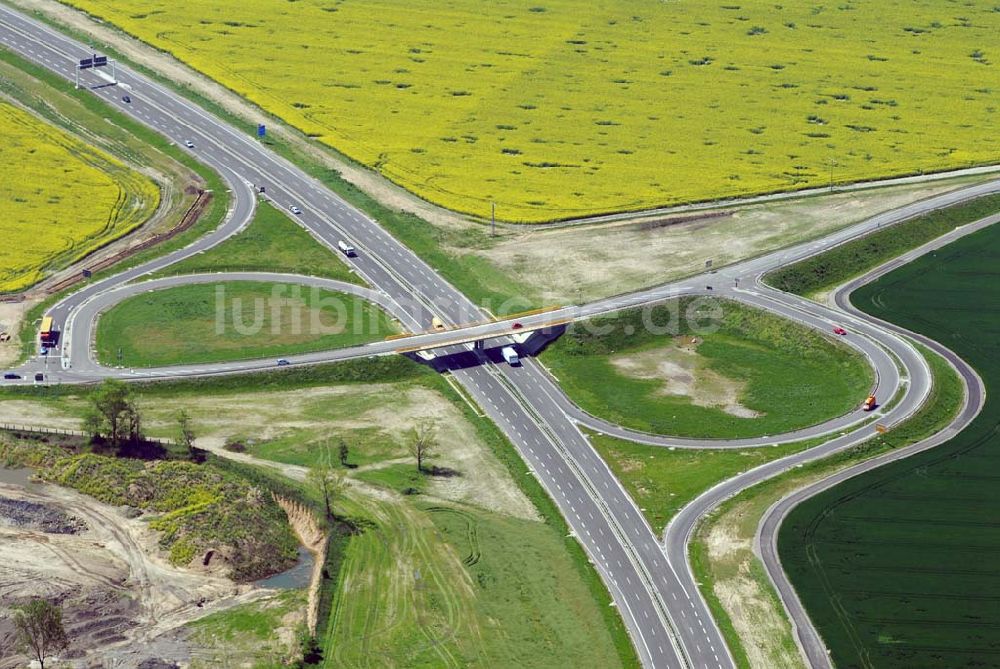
point(64, 432)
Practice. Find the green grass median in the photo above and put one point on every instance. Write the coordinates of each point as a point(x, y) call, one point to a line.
point(234, 321)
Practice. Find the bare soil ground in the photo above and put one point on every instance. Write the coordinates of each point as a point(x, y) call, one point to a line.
point(576, 264)
point(11, 315)
point(684, 374)
point(116, 589)
point(756, 616)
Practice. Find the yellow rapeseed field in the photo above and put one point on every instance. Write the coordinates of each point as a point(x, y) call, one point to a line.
point(559, 108)
point(61, 198)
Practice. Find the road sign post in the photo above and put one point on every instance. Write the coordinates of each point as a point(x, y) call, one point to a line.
point(95, 61)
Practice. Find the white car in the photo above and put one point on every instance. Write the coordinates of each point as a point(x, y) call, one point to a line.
point(295, 210)
point(188, 143)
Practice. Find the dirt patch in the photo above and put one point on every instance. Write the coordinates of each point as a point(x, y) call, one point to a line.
point(685, 374)
point(307, 529)
point(114, 586)
point(754, 612)
point(11, 317)
point(599, 260)
point(33, 516)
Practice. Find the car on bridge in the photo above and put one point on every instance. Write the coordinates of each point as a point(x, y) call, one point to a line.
point(11, 376)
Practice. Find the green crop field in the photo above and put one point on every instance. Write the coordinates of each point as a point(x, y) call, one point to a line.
point(897, 567)
point(560, 108)
point(753, 374)
point(62, 199)
point(190, 324)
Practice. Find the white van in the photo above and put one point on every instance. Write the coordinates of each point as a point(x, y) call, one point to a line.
point(509, 354)
point(346, 249)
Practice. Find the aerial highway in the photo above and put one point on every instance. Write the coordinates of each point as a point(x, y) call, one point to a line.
point(668, 623)
point(651, 584)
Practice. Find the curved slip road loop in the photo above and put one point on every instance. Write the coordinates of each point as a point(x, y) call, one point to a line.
point(807, 637)
point(90, 311)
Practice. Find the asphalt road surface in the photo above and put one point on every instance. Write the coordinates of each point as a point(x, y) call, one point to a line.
point(652, 585)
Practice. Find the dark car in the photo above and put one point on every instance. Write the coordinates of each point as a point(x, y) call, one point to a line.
point(126, 98)
point(516, 326)
point(283, 362)
point(11, 376)
point(39, 376)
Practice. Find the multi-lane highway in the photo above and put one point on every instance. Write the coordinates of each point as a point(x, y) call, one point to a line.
point(651, 584)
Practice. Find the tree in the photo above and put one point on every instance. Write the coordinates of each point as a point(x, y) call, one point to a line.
point(39, 629)
point(423, 442)
point(329, 481)
point(344, 452)
point(113, 413)
point(185, 433)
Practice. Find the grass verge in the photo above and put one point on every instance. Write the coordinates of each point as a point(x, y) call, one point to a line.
point(663, 480)
point(819, 274)
point(273, 243)
point(182, 324)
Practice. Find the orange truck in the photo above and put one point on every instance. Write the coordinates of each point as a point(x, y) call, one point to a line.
point(869, 404)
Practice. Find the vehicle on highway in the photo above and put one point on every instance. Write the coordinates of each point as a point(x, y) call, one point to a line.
point(510, 356)
point(869, 403)
point(516, 326)
point(47, 334)
point(295, 210)
point(188, 143)
point(283, 362)
point(126, 99)
point(10, 376)
point(346, 249)
point(839, 331)
point(436, 323)
point(39, 376)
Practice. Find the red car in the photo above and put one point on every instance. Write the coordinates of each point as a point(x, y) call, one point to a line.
point(516, 326)
point(839, 331)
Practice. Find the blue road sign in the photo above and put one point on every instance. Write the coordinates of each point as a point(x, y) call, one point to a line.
point(261, 130)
